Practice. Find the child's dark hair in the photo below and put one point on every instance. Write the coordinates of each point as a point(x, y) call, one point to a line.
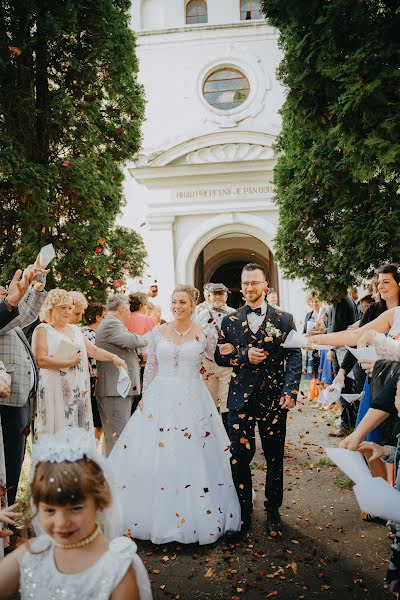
point(59, 484)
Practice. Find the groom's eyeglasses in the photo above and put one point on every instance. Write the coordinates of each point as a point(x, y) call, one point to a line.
point(246, 284)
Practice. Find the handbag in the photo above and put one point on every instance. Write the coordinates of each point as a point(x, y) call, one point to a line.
point(385, 376)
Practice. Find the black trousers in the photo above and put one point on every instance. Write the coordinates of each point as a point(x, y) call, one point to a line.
point(272, 431)
point(14, 421)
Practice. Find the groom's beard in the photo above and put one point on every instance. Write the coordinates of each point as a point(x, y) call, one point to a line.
point(253, 297)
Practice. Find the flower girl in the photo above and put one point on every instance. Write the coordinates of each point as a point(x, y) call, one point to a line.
point(73, 556)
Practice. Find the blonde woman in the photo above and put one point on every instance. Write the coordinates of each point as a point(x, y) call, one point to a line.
point(63, 398)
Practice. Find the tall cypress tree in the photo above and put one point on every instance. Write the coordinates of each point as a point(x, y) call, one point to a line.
point(70, 115)
point(337, 176)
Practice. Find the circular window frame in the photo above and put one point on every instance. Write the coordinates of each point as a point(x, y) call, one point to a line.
point(241, 73)
point(259, 83)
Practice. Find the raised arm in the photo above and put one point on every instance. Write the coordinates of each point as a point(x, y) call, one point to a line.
point(350, 337)
point(100, 354)
point(28, 308)
point(7, 314)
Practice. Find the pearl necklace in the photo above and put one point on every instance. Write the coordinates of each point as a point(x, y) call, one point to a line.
point(84, 542)
point(184, 333)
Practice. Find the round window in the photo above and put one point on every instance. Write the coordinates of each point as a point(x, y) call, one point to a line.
point(226, 88)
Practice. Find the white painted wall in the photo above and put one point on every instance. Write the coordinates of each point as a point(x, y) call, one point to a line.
point(174, 60)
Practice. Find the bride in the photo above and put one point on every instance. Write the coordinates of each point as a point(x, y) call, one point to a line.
point(171, 465)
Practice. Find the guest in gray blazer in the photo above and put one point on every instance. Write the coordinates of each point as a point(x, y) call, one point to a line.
point(16, 291)
point(113, 336)
point(16, 409)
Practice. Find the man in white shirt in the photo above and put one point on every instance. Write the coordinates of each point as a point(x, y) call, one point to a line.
point(216, 378)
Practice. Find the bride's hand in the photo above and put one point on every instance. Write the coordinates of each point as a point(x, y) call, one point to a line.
point(140, 405)
point(225, 349)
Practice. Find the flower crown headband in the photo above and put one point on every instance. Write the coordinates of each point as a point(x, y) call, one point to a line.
point(70, 444)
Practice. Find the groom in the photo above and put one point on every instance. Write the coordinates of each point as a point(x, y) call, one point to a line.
point(264, 386)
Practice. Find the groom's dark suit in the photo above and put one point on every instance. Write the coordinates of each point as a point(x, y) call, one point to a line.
point(254, 394)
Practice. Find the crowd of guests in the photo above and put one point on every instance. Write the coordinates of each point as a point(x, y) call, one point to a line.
point(372, 424)
point(71, 377)
point(56, 373)
point(61, 362)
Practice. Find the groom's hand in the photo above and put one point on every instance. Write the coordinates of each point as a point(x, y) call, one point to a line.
point(256, 355)
point(287, 401)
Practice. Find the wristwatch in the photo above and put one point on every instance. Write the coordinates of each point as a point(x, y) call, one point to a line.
point(8, 306)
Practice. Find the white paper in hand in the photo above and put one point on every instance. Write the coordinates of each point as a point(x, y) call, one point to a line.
point(330, 394)
point(351, 397)
point(376, 497)
point(351, 463)
point(46, 255)
point(65, 351)
point(367, 353)
point(295, 339)
point(124, 383)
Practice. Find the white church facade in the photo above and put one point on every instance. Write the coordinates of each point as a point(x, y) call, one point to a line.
point(201, 190)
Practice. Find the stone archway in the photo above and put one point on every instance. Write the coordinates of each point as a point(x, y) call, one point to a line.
point(222, 259)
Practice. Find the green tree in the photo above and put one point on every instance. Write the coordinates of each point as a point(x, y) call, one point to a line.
point(70, 115)
point(337, 175)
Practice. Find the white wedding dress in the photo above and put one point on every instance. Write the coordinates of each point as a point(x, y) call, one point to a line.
point(170, 466)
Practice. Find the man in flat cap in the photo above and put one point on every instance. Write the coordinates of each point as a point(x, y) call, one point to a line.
point(215, 377)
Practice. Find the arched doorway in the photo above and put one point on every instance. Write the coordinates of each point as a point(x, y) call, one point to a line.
point(229, 274)
point(222, 260)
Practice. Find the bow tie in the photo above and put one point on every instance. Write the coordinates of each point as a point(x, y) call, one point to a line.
point(249, 310)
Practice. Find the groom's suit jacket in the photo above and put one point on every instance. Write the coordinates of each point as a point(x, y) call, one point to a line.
point(259, 386)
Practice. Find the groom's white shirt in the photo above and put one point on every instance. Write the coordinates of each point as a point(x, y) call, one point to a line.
point(255, 321)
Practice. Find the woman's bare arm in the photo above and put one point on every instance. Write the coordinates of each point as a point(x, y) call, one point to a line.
point(41, 353)
point(100, 354)
point(350, 337)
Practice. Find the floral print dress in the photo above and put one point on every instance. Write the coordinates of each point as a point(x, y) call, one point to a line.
point(63, 398)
